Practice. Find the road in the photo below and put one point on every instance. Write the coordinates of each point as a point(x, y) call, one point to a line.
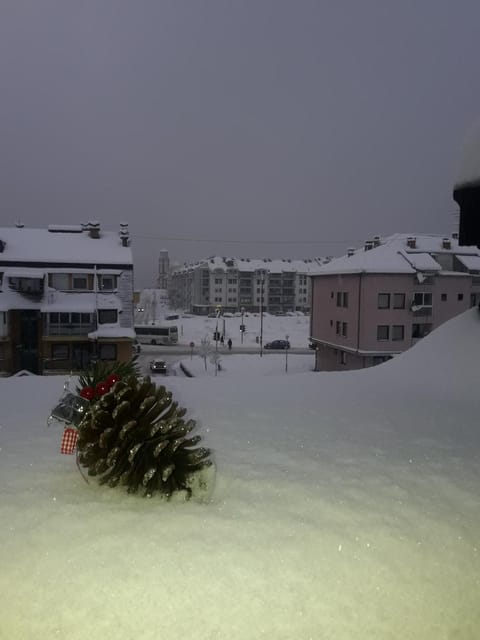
point(157, 351)
point(173, 354)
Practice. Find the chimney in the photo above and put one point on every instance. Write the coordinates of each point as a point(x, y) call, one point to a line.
point(350, 251)
point(368, 245)
point(376, 241)
point(411, 242)
point(124, 234)
point(93, 229)
point(446, 244)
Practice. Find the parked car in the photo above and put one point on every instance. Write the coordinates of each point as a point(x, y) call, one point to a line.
point(158, 366)
point(278, 344)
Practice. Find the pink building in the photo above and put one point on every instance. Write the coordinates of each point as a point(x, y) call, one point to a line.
point(377, 301)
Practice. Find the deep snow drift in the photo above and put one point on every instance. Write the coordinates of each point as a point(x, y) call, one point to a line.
point(346, 506)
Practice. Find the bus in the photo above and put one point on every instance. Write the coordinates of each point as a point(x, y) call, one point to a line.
point(151, 334)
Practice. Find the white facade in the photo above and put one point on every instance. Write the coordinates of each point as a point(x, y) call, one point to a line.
point(276, 286)
point(66, 297)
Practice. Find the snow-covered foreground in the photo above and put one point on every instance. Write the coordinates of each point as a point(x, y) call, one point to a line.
point(346, 506)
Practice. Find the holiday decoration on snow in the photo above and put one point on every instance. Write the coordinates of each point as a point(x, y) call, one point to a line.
point(70, 409)
point(127, 431)
point(135, 435)
point(69, 440)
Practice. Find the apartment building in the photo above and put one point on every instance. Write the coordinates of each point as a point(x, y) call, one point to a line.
point(66, 297)
point(378, 301)
point(276, 286)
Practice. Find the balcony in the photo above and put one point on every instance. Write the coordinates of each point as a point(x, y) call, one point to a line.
point(69, 329)
point(28, 283)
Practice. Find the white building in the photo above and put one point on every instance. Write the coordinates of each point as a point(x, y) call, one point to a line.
point(66, 296)
point(276, 286)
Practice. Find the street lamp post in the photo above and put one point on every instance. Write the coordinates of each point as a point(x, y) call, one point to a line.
point(286, 354)
point(242, 328)
point(262, 276)
point(218, 311)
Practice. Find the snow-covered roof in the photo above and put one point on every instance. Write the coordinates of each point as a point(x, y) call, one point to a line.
point(421, 261)
point(19, 272)
point(59, 244)
point(472, 263)
point(251, 265)
point(399, 253)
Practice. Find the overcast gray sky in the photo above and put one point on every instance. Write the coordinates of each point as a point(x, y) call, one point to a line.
point(213, 125)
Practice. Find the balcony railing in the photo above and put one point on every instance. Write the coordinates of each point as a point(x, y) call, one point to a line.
point(69, 329)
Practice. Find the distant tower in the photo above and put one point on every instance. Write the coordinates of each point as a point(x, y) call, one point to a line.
point(163, 269)
point(466, 191)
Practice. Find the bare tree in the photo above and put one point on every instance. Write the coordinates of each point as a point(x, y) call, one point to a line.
point(205, 349)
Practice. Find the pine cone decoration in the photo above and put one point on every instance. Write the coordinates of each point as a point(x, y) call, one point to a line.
point(135, 435)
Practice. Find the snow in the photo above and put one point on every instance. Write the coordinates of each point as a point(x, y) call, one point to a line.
point(393, 255)
point(236, 364)
point(284, 265)
point(195, 328)
point(41, 245)
point(80, 302)
point(112, 331)
point(346, 506)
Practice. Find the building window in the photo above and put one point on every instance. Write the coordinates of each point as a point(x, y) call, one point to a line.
point(345, 299)
point(443, 297)
point(399, 301)
point(107, 351)
point(60, 352)
point(422, 300)
point(421, 330)
point(343, 357)
point(383, 301)
point(338, 327)
point(107, 316)
point(218, 281)
point(2, 352)
point(459, 297)
point(398, 332)
point(344, 329)
point(106, 283)
point(339, 298)
point(79, 282)
point(383, 332)
point(59, 281)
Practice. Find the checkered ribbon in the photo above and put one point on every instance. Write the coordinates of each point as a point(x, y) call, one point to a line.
point(69, 440)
